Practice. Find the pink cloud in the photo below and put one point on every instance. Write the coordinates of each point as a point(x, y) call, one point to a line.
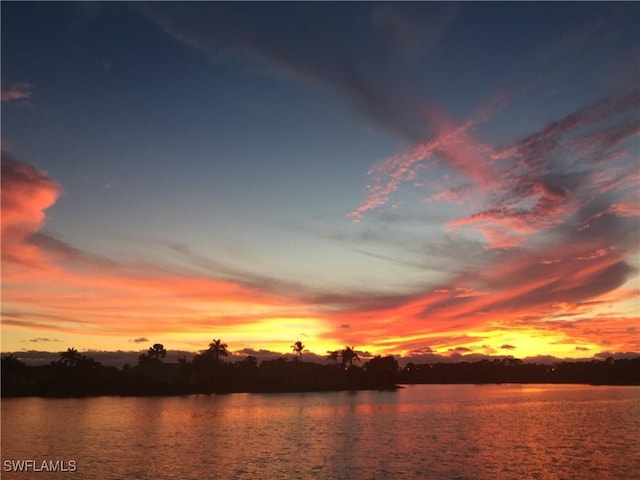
point(523, 290)
point(534, 195)
point(525, 196)
point(454, 144)
point(601, 252)
point(18, 91)
point(457, 195)
point(49, 285)
point(539, 143)
point(26, 194)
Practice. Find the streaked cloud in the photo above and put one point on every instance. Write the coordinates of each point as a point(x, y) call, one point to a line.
point(388, 39)
point(48, 285)
point(501, 212)
point(17, 91)
point(44, 339)
point(26, 194)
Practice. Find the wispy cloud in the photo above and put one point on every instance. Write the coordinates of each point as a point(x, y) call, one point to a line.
point(530, 185)
point(26, 194)
point(541, 286)
point(17, 91)
point(565, 278)
point(454, 144)
point(49, 285)
point(370, 51)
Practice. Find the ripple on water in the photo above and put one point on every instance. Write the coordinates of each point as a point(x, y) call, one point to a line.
point(456, 431)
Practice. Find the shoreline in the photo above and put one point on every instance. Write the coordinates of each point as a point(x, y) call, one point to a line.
point(275, 391)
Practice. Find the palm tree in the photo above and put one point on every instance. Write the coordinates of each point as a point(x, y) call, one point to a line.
point(157, 352)
point(298, 347)
point(333, 356)
point(349, 355)
point(217, 348)
point(70, 358)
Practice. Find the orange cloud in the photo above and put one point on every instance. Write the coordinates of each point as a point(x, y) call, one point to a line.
point(49, 285)
point(552, 293)
point(567, 289)
point(26, 194)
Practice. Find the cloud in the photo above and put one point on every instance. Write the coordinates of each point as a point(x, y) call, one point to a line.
point(460, 349)
point(139, 340)
point(369, 53)
point(538, 147)
point(560, 239)
point(25, 195)
point(17, 91)
point(615, 355)
point(568, 275)
point(44, 339)
point(49, 285)
point(408, 30)
point(453, 144)
point(421, 351)
point(507, 347)
point(545, 181)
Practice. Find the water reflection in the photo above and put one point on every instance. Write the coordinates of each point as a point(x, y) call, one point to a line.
point(454, 431)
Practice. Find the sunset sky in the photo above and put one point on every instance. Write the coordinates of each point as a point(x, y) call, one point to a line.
point(411, 179)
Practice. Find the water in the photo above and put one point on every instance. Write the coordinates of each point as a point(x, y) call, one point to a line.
point(420, 432)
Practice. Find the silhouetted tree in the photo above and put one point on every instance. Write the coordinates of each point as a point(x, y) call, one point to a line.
point(250, 361)
point(143, 358)
point(382, 369)
point(157, 352)
point(185, 365)
point(217, 349)
point(70, 358)
point(333, 356)
point(349, 355)
point(153, 355)
point(204, 375)
point(12, 368)
point(298, 347)
point(88, 363)
point(246, 371)
point(11, 361)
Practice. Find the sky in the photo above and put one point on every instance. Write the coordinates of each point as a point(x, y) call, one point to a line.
point(425, 180)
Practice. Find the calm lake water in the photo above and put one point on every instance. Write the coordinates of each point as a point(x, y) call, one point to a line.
point(419, 432)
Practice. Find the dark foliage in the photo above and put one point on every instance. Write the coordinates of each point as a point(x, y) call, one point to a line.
point(511, 370)
point(207, 373)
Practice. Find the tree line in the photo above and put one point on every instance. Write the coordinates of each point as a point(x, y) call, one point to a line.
point(75, 374)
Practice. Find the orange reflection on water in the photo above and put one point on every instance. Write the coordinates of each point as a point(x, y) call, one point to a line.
point(424, 431)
